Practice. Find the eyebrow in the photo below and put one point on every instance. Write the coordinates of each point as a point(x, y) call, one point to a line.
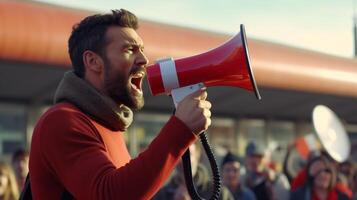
point(131, 44)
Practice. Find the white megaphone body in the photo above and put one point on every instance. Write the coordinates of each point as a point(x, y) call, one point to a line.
point(226, 65)
point(331, 133)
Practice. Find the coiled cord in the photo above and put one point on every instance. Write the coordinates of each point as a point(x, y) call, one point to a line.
point(186, 160)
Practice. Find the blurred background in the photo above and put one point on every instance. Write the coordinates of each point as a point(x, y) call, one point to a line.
point(302, 54)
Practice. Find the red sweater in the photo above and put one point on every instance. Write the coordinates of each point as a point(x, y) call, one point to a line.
point(71, 151)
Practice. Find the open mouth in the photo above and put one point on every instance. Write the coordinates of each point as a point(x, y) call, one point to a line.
point(136, 81)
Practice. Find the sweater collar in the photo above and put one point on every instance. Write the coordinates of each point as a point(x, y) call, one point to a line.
point(101, 108)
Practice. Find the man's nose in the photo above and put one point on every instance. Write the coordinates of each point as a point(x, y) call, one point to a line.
point(142, 60)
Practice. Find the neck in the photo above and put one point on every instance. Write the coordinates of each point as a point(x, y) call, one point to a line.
point(321, 193)
point(94, 80)
point(233, 187)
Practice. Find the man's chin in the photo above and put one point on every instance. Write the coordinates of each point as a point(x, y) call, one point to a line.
point(137, 105)
point(137, 102)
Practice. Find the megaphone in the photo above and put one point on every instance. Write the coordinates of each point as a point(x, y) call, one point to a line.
point(330, 136)
point(226, 65)
point(331, 133)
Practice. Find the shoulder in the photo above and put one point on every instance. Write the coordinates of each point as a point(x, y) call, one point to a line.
point(282, 177)
point(63, 110)
point(226, 194)
point(63, 115)
point(248, 192)
point(282, 181)
point(342, 196)
point(62, 120)
point(299, 193)
point(63, 127)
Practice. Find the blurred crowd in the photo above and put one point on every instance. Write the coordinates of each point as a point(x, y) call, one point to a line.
point(251, 177)
point(256, 177)
point(13, 175)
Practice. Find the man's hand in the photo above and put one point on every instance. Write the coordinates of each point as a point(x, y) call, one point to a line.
point(195, 112)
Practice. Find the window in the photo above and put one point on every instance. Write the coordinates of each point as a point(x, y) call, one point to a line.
point(12, 128)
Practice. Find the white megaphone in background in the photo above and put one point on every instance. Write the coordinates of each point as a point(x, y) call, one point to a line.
point(330, 136)
point(226, 65)
point(331, 133)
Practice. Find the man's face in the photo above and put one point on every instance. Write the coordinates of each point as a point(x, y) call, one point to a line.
point(231, 174)
point(124, 65)
point(21, 166)
point(255, 163)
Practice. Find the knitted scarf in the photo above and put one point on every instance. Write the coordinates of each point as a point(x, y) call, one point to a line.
point(101, 108)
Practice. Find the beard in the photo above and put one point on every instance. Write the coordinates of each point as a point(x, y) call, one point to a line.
point(118, 87)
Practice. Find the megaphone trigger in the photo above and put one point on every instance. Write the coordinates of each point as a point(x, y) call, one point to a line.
point(180, 93)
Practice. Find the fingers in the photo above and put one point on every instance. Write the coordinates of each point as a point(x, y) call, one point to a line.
point(207, 113)
point(203, 125)
point(200, 94)
point(204, 104)
point(195, 112)
point(203, 95)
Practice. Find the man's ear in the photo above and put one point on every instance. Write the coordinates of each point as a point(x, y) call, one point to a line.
point(92, 61)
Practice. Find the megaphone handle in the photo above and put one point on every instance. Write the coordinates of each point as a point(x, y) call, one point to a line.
point(180, 93)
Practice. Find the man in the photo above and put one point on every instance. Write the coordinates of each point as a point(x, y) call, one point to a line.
point(231, 178)
point(263, 181)
point(20, 163)
point(176, 188)
point(78, 148)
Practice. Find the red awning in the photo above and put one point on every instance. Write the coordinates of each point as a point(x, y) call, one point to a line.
point(38, 33)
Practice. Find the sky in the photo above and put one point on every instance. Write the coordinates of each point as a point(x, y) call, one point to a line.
point(319, 25)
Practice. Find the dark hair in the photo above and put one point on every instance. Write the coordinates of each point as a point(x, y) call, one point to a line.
point(89, 34)
point(229, 157)
point(20, 153)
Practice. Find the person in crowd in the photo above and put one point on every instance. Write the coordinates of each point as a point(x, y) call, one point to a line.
point(231, 178)
point(20, 163)
point(266, 183)
point(176, 188)
point(8, 185)
point(341, 183)
point(320, 181)
point(78, 148)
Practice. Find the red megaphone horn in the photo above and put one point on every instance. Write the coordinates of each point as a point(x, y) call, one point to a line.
point(226, 65)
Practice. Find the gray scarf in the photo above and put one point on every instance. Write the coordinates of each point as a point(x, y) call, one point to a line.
point(101, 108)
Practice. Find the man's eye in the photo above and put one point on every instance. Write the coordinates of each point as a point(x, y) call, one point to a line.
point(130, 50)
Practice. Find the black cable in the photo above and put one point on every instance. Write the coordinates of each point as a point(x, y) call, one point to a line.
point(186, 161)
